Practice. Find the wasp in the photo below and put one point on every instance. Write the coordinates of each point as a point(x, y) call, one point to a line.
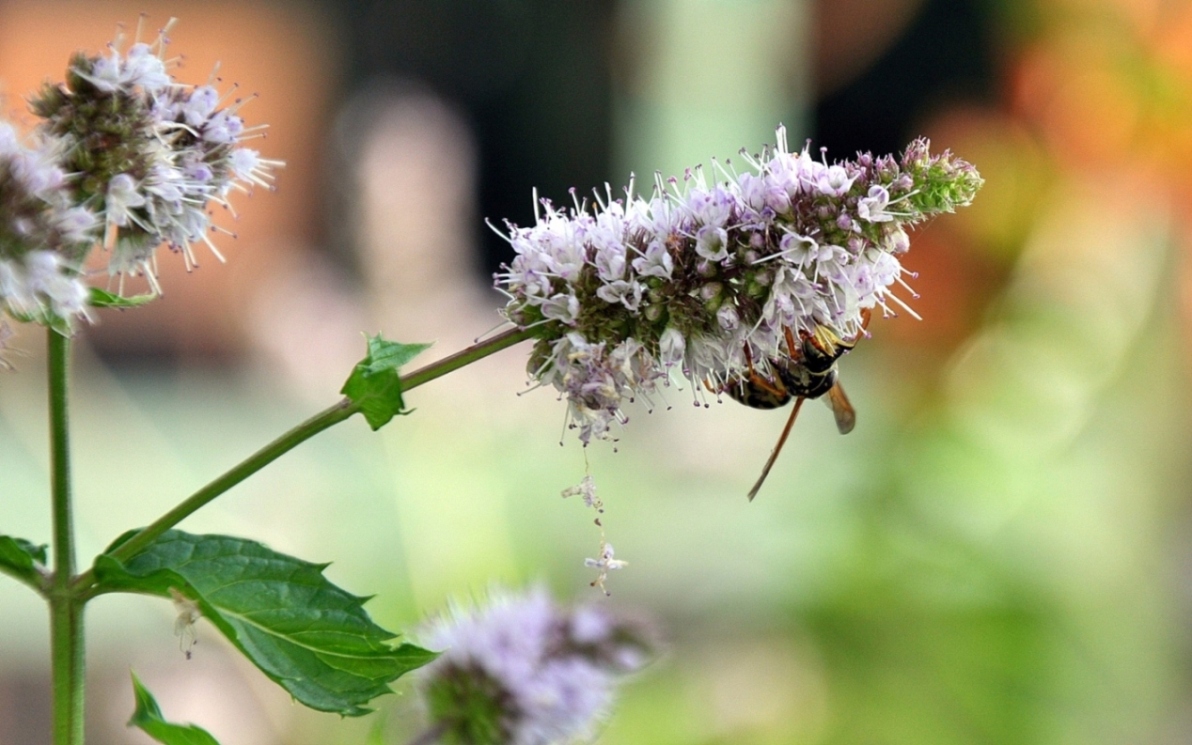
point(807, 371)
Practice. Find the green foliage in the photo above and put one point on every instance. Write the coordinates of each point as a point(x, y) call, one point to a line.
point(104, 299)
point(309, 636)
point(21, 559)
point(148, 718)
point(375, 385)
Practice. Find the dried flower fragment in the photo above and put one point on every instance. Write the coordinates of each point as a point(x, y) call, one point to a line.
point(604, 564)
point(585, 489)
point(184, 625)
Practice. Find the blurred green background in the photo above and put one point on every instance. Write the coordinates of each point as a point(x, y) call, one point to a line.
point(998, 553)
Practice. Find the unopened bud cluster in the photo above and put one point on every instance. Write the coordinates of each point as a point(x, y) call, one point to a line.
point(625, 291)
point(523, 671)
point(123, 157)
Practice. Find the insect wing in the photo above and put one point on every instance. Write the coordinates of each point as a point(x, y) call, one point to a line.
point(846, 416)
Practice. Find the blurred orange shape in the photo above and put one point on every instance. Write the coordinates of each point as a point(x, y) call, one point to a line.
point(1015, 172)
point(279, 52)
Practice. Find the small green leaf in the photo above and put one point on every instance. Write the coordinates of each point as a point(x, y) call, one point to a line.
point(309, 636)
point(44, 317)
point(104, 299)
point(147, 717)
point(374, 383)
point(22, 559)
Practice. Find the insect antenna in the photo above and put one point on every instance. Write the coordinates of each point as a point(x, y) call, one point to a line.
point(777, 448)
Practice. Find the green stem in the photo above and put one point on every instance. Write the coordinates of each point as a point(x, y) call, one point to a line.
point(323, 420)
point(66, 607)
point(464, 357)
point(64, 550)
point(67, 668)
point(296, 436)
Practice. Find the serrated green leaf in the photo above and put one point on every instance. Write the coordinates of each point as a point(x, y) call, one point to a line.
point(104, 299)
point(390, 355)
point(22, 559)
point(309, 636)
point(375, 384)
point(147, 716)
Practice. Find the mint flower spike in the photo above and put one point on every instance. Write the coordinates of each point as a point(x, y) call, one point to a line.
point(703, 277)
point(523, 671)
point(44, 235)
point(148, 154)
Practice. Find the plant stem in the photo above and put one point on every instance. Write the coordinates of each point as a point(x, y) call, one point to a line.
point(64, 550)
point(67, 668)
point(296, 436)
point(66, 608)
point(323, 420)
point(464, 357)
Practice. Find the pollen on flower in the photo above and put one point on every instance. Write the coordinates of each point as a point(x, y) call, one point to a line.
point(703, 277)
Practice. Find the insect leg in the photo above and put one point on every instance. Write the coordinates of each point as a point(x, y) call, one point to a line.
point(777, 448)
point(773, 387)
point(794, 351)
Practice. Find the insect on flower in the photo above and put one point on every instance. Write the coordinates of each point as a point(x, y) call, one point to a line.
point(784, 261)
point(808, 371)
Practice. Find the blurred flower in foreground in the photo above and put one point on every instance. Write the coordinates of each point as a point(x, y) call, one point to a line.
point(522, 671)
point(43, 233)
point(716, 279)
point(125, 156)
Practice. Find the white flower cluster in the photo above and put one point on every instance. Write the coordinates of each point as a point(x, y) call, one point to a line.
point(124, 157)
point(522, 671)
point(703, 277)
point(42, 233)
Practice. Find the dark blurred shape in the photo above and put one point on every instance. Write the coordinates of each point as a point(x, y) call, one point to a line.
point(532, 76)
point(885, 76)
point(851, 34)
point(466, 49)
point(945, 55)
